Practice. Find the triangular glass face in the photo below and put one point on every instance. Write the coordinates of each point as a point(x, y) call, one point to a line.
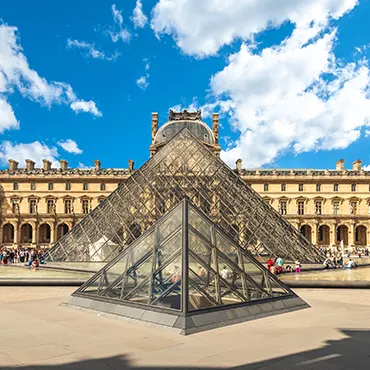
point(185, 263)
point(183, 168)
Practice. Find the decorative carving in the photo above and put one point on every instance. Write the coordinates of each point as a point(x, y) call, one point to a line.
point(185, 115)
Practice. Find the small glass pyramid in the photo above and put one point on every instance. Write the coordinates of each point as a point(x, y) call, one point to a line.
point(182, 266)
point(183, 168)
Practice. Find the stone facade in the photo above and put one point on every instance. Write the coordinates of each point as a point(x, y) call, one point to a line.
point(39, 205)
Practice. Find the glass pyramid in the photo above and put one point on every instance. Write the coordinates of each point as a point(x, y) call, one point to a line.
point(183, 265)
point(183, 168)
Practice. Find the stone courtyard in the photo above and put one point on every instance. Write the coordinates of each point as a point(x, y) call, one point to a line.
point(37, 333)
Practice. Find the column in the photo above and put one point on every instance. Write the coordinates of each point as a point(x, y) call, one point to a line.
point(16, 233)
point(352, 235)
point(52, 233)
point(314, 233)
point(332, 236)
point(34, 235)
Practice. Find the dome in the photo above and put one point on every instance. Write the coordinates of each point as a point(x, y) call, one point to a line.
point(198, 128)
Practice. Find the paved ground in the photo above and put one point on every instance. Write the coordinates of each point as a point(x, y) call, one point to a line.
point(36, 333)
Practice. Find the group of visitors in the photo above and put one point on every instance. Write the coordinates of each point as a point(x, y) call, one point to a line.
point(276, 266)
point(336, 251)
point(31, 257)
point(339, 263)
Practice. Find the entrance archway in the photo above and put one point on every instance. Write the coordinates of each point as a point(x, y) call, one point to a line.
point(361, 237)
point(306, 230)
point(26, 233)
point(45, 233)
point(323, 237)
point(342, 234)
point(8, 233)
point(62, 229)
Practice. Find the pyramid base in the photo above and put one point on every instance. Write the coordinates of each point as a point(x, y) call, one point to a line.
point(192, 322)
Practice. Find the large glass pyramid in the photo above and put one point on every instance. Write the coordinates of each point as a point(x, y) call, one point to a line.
point(182, 267)
point(183, 168)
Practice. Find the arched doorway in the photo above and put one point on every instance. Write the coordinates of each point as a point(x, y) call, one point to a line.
point(26, 233)
point(323, 235)
point(8, 233)
point(361, 237)
point(62, 229)
point(44, 233)
point(306, 230)
point(342, 234)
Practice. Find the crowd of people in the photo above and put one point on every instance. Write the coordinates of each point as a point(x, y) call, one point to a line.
point(276, 266)
point(31, 257)
point(355, 252)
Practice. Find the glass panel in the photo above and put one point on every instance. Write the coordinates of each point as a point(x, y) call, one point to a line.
point(170, 224)
point(199, 247)
point(199, 224)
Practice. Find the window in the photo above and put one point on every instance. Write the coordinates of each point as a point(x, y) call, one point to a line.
point(336, 187)
point(318, 187)
point(85, 186)
point(101, 200)
point(51, 186)
point(301, 207)
point(335, 207)
point(300, 187)
point(283, 187)
point(33, 185)
point(318, 207)
point(353, 207)
point(102, 186)
point(353, 187)
point(33, 206)
point(283, 207)
point(68, 185)
point(85, 206)
point(68, 206)
point(15, 205)
point(50, 206)
point(15, 186)
point(266, 187)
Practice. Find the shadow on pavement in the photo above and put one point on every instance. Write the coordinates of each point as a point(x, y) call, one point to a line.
point(352, 352)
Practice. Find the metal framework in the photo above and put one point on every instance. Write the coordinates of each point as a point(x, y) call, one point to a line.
point(183, 168)
point(184, 263)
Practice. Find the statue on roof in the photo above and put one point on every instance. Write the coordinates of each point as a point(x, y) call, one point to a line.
point(185, 115)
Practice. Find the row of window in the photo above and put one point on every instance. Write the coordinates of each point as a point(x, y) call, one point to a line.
point(318, 207)
point(85, 186)
point(318, 187)
point(50, 208)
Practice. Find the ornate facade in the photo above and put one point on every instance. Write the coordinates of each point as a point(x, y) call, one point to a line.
point(39, 205)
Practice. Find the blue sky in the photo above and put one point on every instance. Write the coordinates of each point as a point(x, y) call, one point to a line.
point(290, 81)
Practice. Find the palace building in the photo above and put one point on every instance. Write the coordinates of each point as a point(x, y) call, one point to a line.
point(40, 205)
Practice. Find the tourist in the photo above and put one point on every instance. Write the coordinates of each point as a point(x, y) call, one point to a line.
point(280, 263)
point(224, 273)
point(21, 255)
point(350, 264)
point(270, 263)
point(298, 267)
point(35, 264)
point(340, 261)
point(328, 263)
point(202, 271)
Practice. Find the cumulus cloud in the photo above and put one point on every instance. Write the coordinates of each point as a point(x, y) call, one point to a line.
point(86, 106)
point(138, 17)
point(142, 81)
point(122, 33)
point(70, 146)
point(20, 152)
point(16, 74)
point(91, 51)
point(202, 28)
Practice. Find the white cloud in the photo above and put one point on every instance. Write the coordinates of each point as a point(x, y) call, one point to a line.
point(90, 50)
point(16, 74)
point(201, 28)
point(138, 17)
point(142, 82)
point(8, 120)
point(20, 152)
point(367, 133)
point(123, 34)
point(86, 106)
point(70, 146)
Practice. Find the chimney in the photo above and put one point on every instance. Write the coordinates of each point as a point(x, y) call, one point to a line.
point(154, 125)
point(238, 165)
point(131, 164)
point(63, 164)
point(47, 165)
point(97, 165)
point(215, 120)
point(357, 165)
point(13, 164)
point(30, 165)
point(339, 165)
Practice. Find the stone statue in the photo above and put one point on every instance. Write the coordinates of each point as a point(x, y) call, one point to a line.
point(185, 115)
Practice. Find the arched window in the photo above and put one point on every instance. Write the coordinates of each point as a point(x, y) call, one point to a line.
point(15, 186)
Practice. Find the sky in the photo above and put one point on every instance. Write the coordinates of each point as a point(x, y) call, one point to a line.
point(289, 78)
